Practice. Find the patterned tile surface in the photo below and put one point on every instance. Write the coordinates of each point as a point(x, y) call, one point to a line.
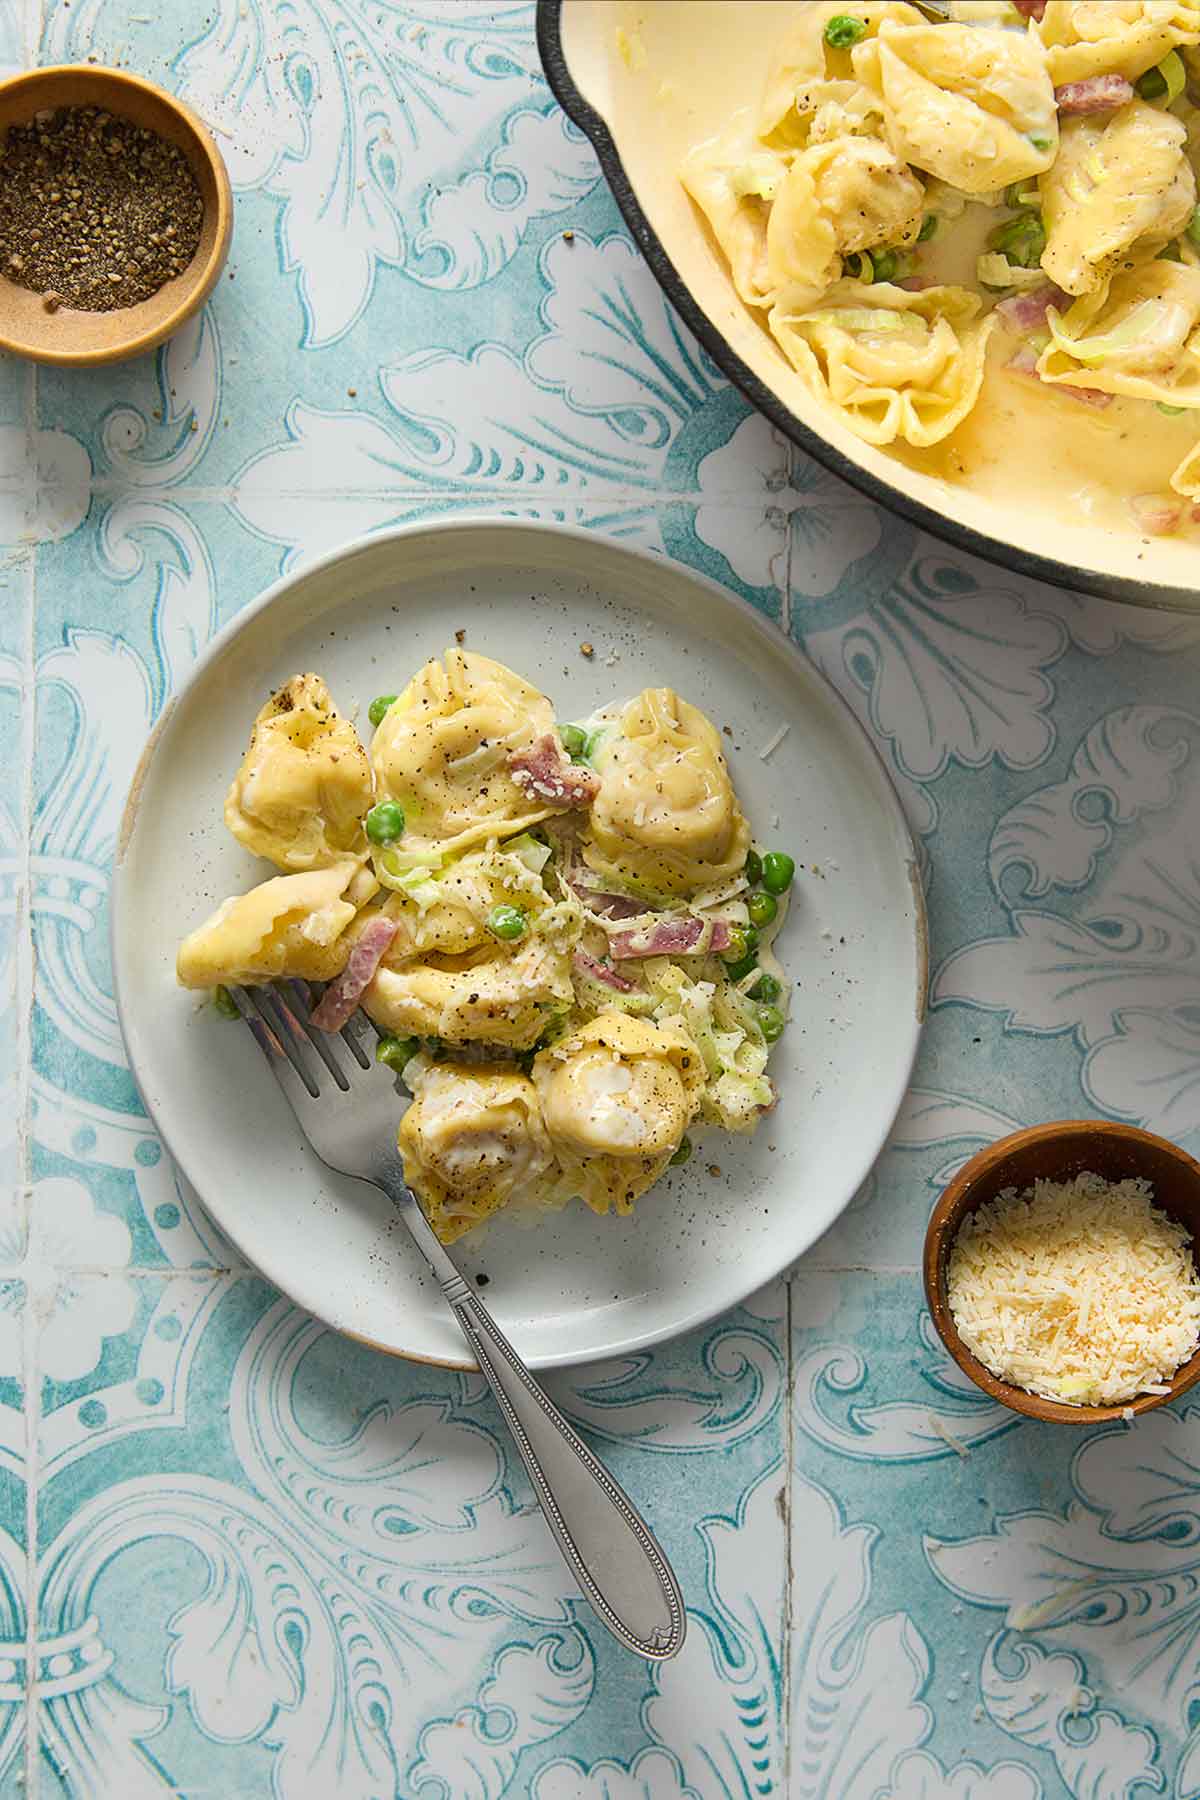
point(239, 1556)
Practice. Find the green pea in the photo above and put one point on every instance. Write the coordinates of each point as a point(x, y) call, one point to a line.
point(1193, 226)
point(1152, 85)
point(1040, 143)
point(767, 989)
point(507, 922)
point(929, 225)
point(884, 264)
point(1172, 412)
point(385, 822)
point(378, 707)
point(396, 1051)
point(778, 871)
point(1021, 239)
point(736, 970)
point(842, 31)
point(771, 1022)
point(224, 1002)
point(753, 868)
point(762, 909)
point(682, 1154)
point(743, 942)
point(574, 741)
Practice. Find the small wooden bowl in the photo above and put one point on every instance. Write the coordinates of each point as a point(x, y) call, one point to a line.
point(83, 339)
point(1056, 1153)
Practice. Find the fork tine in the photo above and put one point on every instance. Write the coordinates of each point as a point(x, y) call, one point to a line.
point(299, 1012)
point(287, 1035)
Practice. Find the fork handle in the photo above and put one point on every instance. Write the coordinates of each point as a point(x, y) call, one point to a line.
point(609, 1548)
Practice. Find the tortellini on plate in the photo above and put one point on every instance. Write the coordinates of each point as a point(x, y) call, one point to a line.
point(496, 995)
point(446, 909)
point(894, 364)
point(1084, 38)
point(666, 821)
point(304, 783)
point(293, 925)
point(442, 751)
point(1119, 181)
point(974, 106)
point(564, 989)
point(617, 1096)
point(1142, 338)
point(472, 1141)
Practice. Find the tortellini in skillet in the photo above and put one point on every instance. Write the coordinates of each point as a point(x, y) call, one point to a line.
point(617, 1096)
point(304, 783)
point(894, 364)
point(733, 183)
point(1118, 181)
point(472, 1141)
point(292, 925)
point(1142, 338)
point(1084, 38)
point(496, 995)
point(442, 751)
point(666, 821)
point(836, 199)
point(808, 73)
point(973, 106)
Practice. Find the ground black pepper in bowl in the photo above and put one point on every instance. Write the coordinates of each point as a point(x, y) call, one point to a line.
point(96, 213)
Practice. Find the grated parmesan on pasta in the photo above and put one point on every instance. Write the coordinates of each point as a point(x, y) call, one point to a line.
point(1081, 1291)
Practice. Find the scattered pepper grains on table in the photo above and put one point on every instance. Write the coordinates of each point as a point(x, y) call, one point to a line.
point(96, 212)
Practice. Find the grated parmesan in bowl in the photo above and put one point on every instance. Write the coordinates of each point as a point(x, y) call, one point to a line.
point(1081, 1291)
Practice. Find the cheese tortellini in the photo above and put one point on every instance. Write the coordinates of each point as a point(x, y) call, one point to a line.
point(974, 106)
point(1142, 338)
point(666, 821)
point(293, 925)
point(1118, 182)
point(472, 1141)
point(442, 751)
point(808, 72)
point(836, 199)
point(549, 929)
point(304, 783)
point(495, 995)
point(894, 364)
point(1086, 38)
point(617, 1096)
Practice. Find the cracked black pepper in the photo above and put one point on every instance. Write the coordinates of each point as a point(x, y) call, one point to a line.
point(96, 212)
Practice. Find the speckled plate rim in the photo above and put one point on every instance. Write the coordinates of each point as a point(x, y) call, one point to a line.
point(310, 1292)
point(1037, 567)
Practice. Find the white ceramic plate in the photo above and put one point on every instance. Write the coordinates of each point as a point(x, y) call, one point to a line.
point(573, 1287)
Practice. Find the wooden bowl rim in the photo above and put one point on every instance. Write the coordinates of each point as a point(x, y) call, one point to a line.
point(948, 1212)
point(201, 277)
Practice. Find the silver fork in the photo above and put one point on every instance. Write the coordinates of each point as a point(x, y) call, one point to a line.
point(345, 1104)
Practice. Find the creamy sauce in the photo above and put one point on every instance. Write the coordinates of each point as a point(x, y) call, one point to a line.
point(678, 71)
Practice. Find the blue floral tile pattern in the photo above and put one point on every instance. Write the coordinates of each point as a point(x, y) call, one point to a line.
point(240, 1556)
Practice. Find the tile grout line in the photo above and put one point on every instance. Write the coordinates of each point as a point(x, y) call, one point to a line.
point(789, 1445)
point(26, 976)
